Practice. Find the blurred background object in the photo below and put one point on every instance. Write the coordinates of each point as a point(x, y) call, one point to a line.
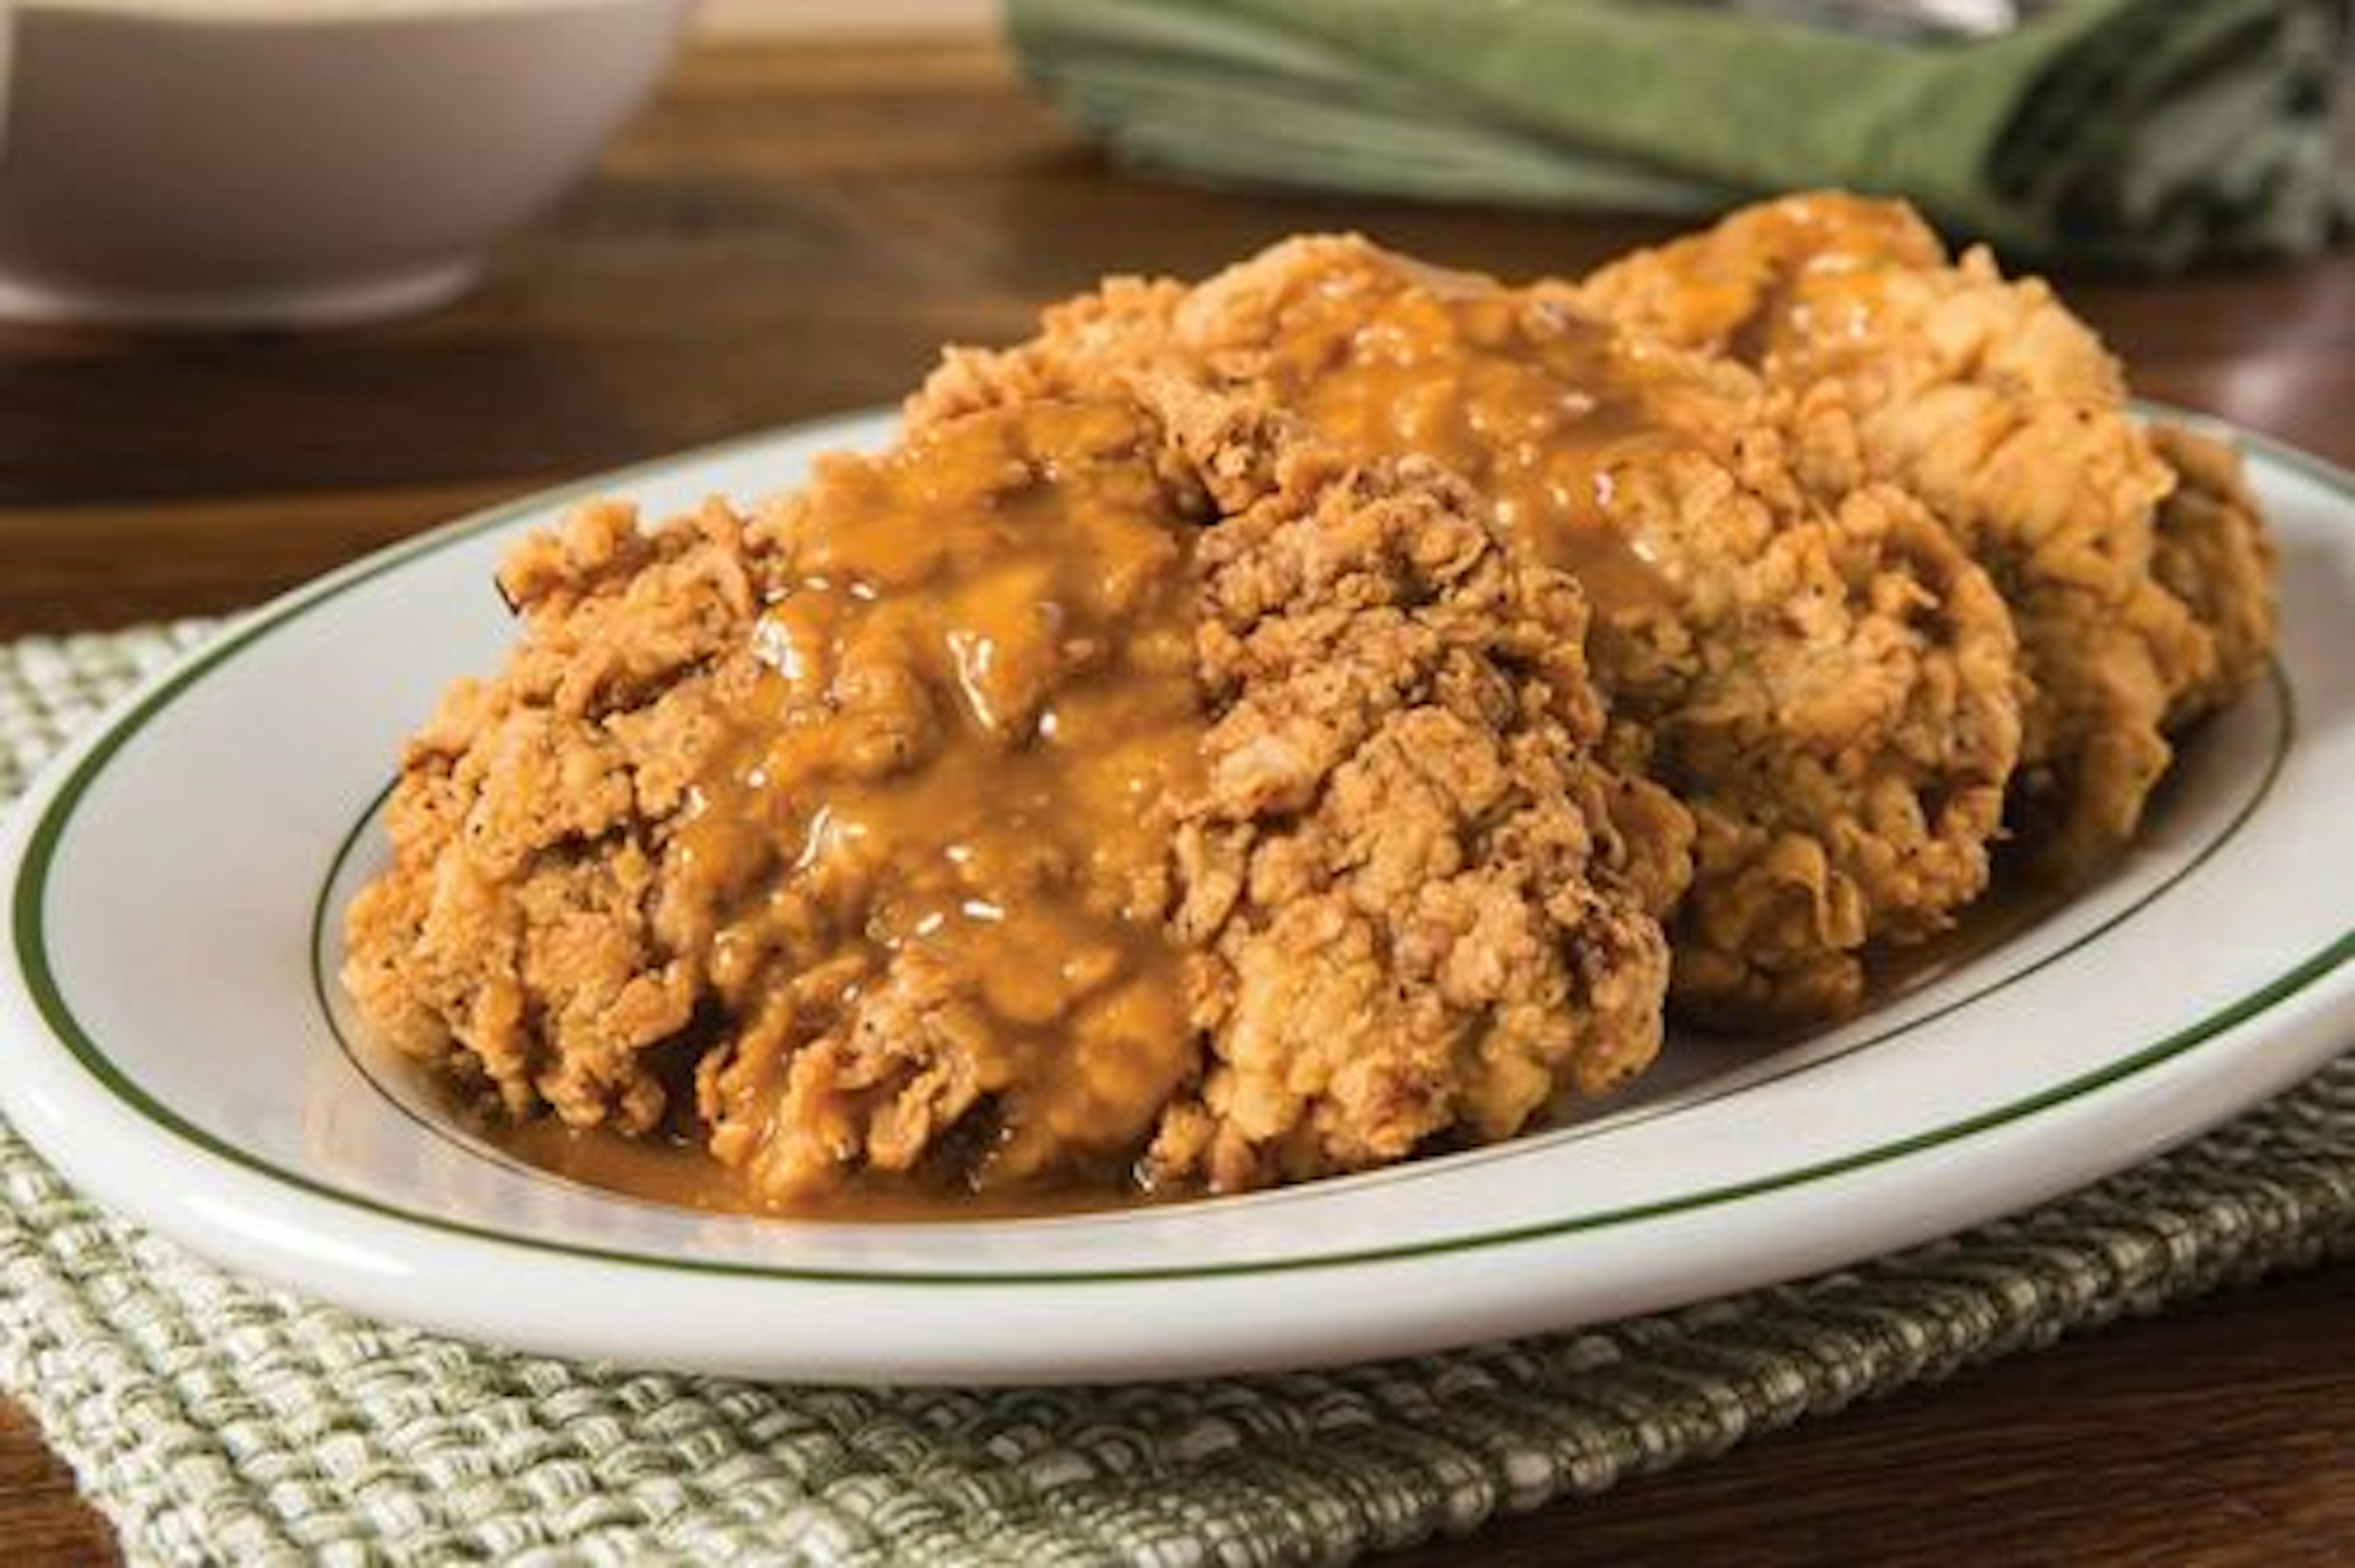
point(2147, 133)
point(238, 163)
point(1906, 18)
point(294, 162)
point(748, 20)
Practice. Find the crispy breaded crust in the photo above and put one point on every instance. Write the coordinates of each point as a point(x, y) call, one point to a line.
point(1425, 909)
point(2215, 554)
point(1990, 401)
point(1829, 684)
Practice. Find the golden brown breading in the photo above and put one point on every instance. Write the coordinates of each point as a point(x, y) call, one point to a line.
point(1987, 398)
point(2215, 554)
point(1829, 689)
point(1088, 344)
point(496, 948)
point(1424, 908)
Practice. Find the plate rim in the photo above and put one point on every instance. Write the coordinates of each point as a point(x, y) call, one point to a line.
point(47, 806)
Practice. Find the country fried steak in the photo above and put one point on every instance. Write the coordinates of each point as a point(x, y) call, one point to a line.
point(1330, 713)
point(2130, 554)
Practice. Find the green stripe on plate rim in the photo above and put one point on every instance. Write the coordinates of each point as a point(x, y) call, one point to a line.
point(28, 900)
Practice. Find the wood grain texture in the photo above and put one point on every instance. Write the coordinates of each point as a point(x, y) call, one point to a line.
point(792, 230)
point(42, 1519)
point(2222, 1435)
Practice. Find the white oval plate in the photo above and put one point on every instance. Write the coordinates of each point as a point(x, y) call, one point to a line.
point(168, 1039)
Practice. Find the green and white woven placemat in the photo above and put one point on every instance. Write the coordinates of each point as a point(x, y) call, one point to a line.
point(217, 1421)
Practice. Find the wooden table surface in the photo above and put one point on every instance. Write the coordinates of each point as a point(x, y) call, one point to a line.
point(791, 230)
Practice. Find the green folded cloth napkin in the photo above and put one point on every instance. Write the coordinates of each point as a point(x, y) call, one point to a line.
point(2144, 132)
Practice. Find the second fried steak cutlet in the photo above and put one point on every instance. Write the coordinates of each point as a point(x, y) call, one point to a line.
point(1076, 784)
point(1422, 906)
point(1828, 685)
point(2135, 567)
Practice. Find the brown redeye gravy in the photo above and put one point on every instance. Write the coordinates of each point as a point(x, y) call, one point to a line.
point(924, 861)
point(1518, 392)
point(1828, 291)
point(677, 1170)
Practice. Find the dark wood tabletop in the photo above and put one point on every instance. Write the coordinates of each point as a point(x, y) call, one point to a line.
point(793, 230)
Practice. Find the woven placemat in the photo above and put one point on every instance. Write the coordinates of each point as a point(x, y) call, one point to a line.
point(217, 1421)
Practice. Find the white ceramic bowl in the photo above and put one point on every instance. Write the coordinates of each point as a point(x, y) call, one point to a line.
point(294, 162)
